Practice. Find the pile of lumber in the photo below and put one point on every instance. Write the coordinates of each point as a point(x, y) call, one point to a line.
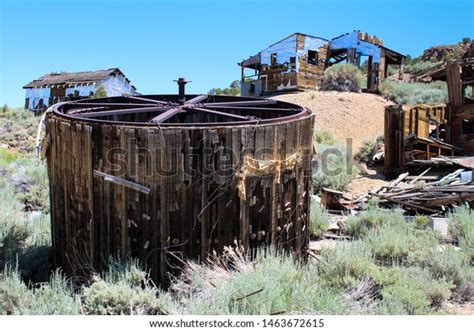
point(422, 194)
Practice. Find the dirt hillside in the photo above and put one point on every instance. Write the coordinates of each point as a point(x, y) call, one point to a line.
point(348, 115)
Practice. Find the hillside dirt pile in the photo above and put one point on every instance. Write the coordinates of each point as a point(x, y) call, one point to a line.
point(358, 116)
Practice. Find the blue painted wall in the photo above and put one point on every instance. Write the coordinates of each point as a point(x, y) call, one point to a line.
point(362, 47)
point(286, 48)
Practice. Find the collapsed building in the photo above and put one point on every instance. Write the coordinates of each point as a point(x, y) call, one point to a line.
point(298, 61)
point(434, 134)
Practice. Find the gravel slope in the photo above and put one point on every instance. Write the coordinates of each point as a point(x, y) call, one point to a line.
point(348, 115)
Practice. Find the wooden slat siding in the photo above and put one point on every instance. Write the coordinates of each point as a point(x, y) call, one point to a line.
point(307, 147)
point(176, 222)
point(131, 195)
point(267, 212)
point(121, 224)
point(65, 172)
point(73, 197)
point(218, 236)
point(309, 76)
point(80, 224)
point(453, 77)
point(60, 222)
point(160, 189)
point(164, 206)
point(204, 219)
point(276, 146)
point(235, 205)
point(288, 191)
point(306, 164)
point(116, 198)
point(194, 188)
point(299, 186)
point(279, 188)
point(225, 217)
point(105, 231)
point(51, 128)
point(146, 203)
point(98, 203)
point(86, 172)
point(185, 197)
point(256, 197)
point(151, 252)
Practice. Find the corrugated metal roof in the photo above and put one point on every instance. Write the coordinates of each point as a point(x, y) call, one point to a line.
point(72, 77)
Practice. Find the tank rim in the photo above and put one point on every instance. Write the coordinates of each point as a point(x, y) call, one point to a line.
point(300, 112)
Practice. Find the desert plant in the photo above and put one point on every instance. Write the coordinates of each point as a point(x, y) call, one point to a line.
point(333, 169)
point(367, 151)
point(420, 66)
point(55, 297)
point(454, 265)
point(401, 244)
point(372, 218)
point(342, 77)
point(13, 292)
point(415, 93)
point(461, 228)
point(324, 137)
point(124, 289)
point(318, 219)
point(414, 291)
point(271, 283)
point(347, 264)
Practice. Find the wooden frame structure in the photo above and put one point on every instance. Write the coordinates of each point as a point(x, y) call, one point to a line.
point(413, 132)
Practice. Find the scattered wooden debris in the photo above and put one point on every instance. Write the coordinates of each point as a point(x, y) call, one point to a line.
point(420, 196)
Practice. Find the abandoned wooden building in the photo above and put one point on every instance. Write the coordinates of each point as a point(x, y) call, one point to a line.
point(57, 87)
point(421, 133)
point(298, 61)
point(357, 48)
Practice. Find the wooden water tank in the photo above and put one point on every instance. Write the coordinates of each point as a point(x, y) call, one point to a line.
point(163, 178)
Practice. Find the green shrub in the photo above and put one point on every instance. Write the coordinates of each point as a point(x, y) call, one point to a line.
point(347, 264)
point(318, 219)
point(342, 77)
point(414, 291)
point(53, 298)
point(125, 289)
point(18, 129)
point(401, 244)
point(454, 266)
point(271, 283)
point(420, 66)
point(372, 218)
point(367, 151)
point(415, 93)
point(13, 292)
point(334, 169)
point(324, 137)
point(461, 228)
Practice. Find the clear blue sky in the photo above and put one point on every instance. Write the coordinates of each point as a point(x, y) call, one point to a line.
point(154, 42)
